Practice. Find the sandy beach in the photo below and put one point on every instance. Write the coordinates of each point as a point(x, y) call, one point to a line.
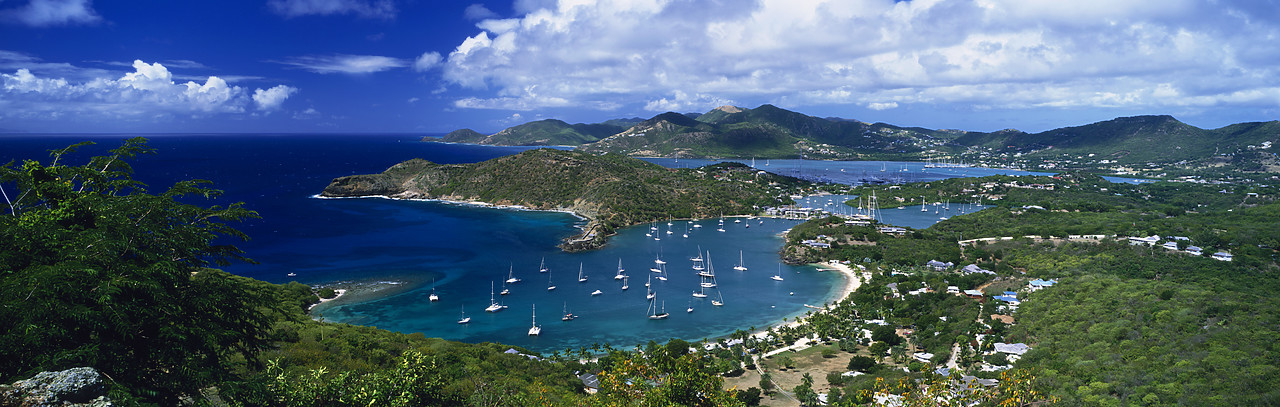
point(851, 283)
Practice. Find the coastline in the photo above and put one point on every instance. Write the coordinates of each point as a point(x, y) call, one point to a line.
point(852, 281)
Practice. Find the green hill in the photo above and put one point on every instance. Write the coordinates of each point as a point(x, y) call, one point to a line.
point(1130, 140)
point(550, 132)
point(611, 190)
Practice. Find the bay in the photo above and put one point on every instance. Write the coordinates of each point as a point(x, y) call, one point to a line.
point(412, 248)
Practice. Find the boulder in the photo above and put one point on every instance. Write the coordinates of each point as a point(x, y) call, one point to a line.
point(81, 386)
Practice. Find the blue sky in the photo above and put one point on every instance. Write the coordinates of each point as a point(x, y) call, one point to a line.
point(435, 66)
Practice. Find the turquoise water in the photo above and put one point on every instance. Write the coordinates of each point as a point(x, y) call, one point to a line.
point(464, 248)
point(465, 267)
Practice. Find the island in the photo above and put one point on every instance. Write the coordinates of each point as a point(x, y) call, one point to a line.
point(610, 191)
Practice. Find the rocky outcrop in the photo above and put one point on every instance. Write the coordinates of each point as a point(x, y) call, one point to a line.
point(81, 386)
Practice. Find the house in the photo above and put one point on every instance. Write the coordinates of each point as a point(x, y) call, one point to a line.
point(1149, 240)
point(1222, 256)
point(1038, 284)
point(1012, 348)
point(591, 382)
point(1009, 299)
point(1170, 245)
point(951, 289)
point(974, 269)
point(815, 243)
point(922, 356)
point(1195, 251)
point(893, 230)
point(939, 266)
point(973, 294)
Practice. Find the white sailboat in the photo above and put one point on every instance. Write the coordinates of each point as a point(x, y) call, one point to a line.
point(494, 306)
point(465, 319)
point(596, 292)
point(622, 273)
point(778, 276)
point(690, 309)
point(653, 310)
point(504, 291)
point(433, 297)
point(742, 266)
point(567, 316)
point(582, 278)
point(625, 286)
point(535, 330)
point(922, 205)
point(542, 267)
point(550, 286)
point(511, 275)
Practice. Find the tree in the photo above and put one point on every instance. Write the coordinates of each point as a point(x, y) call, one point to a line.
point(861, 363)
point(94, 271)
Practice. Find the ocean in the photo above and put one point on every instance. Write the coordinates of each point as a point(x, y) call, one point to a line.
point(411, 249)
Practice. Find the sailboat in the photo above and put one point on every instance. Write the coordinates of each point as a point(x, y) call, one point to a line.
point(465, 319)
point(742, 266)
point(596, 292)
point(494, 306)
point(542, 267)
point(922, 203)
point(433, 297)
point(535, 330)
point(653, 310)
point(511, 275)
point(550, 285)
point(621, 272)
point(686, 231)
point(504, 291)
point(690, 309)
point(582, 278)
point(778, 276)
point(625, 286)
point(719, 302)
point(567, 316)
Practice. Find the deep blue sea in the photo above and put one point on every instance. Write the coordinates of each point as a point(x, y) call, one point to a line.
point(458, 251)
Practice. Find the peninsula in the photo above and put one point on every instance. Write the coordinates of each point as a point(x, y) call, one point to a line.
point(609, 190)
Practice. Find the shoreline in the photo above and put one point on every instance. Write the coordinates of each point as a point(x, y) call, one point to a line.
point(852, 281)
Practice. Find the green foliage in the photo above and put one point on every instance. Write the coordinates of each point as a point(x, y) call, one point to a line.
point(414, 381)
point(94, 271)
point(861, 363)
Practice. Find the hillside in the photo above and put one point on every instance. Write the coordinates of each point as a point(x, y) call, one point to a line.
point(772, 132)
point(548, 132)
point(610, 190)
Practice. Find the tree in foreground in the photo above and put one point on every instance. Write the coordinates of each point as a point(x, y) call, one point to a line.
point(95, 271)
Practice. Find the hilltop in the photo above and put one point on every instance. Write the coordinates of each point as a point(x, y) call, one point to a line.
point(772, 132)
point(610, 190)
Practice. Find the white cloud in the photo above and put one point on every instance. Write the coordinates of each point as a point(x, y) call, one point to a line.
point(427, 61)
point(272, 98)
point(413, 100)
point(680, 101)
point(41, 13)
point(384, 9)
point(478, 12)
point(149, 91)
point(881, 54)
point(348, 64)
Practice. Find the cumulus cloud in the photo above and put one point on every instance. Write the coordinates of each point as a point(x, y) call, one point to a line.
point(427, 61)
point(342, 63)
point(271, 99)
point(147, 92)
point(41, 13)
point(384, 9)
point(879, 54)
